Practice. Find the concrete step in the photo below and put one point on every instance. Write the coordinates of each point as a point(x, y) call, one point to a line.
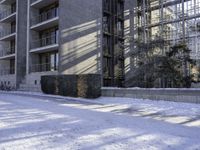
point(29, 87)
point(23, 82)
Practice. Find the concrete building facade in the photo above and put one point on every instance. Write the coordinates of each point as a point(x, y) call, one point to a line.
point(48, 37)
point(13, 25)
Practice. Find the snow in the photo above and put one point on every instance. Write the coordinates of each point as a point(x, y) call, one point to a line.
point(139, 88)
point(36, 121)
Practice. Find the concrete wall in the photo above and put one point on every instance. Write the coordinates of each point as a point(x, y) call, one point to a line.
point(80, 36)
point(177, 95)
point(9, 80)
point(21, 40)
point(33, 81)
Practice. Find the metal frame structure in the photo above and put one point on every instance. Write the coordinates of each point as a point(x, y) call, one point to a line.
point(113, 39)
point(175, 20)
point(165, 24)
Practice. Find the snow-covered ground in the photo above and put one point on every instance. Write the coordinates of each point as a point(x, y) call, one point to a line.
point(40, 122)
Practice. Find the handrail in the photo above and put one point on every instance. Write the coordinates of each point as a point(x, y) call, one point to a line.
point(7, 51)
point(53, 13)
point(49, 40)
point(6, 13)
point(7, 71)
point(6, 32)
point(45, 67)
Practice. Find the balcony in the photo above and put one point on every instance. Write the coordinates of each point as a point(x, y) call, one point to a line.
point(41, 3)
point(7, 71)
point(7, 35)
point(8, 15)
point(48, 67)
point(45, 20)
point(45, 44)
point(7, 53)
point(7, 2)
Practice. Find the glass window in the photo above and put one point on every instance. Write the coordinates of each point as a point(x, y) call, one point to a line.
point(49, 61)
point(12, 66)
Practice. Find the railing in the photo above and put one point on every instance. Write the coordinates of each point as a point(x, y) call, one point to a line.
point(43, 67)
point(7, 51)
point(9, 71)
point(6, 33)
point(7, 13)
point(53, 13)
point(50, 40)
point(32, 1)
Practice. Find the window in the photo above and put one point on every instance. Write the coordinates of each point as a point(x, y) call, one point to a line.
point(48, 61)
point(120, 28)
point(106, 5)
point(107, 64)
point(12, 66)
point(113, 27)
point(106, 24)
point(106, 45)
point(49, 12)
point(12, 46)
point(13, 27)
point(54, 61)
point(13, 8)
point(120, 9)
point(49, 37)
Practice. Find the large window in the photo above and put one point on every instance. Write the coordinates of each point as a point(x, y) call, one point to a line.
point(13, 8)
point(12, 66)
point(49, 37)
point(48, 61)
point(113, 27)
point(13, 27)
point(106, 24)
point(12, 47)
point(48, 12)
point(107, 5)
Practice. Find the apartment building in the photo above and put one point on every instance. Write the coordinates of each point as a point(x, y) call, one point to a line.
point(49, 37)
point(42, 42)
point(13, 25)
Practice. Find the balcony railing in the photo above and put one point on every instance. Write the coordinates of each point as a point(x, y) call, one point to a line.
point(53, 13)
point(43, 67)
point(7, 13)
point(6, 33)
point(32, 1)
point(47, 41)
point(9, 71)
point(7, 51)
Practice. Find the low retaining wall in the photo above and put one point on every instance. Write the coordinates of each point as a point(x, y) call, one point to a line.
point(176, 95)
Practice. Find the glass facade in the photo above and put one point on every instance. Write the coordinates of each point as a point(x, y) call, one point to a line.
point(160, 28)
point(113, 39)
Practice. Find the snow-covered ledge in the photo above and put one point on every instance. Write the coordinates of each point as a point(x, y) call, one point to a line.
point(173, 94)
